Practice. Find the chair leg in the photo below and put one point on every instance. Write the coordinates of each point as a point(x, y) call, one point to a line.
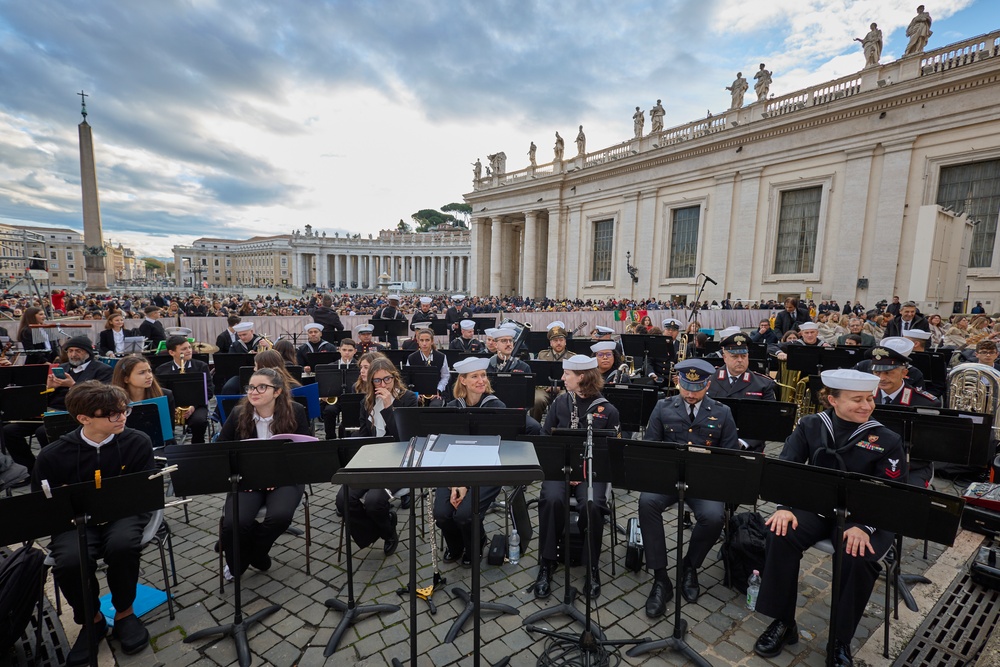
point(340, 540)
point(890, 582)
point(222, 562)
point(308, 535)
point(166, 579)
point(614, 529)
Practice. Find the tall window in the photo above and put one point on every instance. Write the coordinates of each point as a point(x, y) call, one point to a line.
point(604, 234)
point(684, 241)
point(974, 189)
point(798, 221)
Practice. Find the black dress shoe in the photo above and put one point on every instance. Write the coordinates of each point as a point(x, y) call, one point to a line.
point(842, 655)
point(595, 583)
point(777, 636)
point(260, 562)
point(689, 584)
point(391, 542)
point(467, 556)
point(452, 556)
point(656, 603)
point(80, 653)
point(132, 634)
point(543, 583)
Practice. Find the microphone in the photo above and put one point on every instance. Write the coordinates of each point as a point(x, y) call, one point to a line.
point(710, 280)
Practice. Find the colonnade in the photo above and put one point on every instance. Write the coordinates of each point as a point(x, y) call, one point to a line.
point(430, 272)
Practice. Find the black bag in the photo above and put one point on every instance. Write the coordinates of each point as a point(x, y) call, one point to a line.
point(743, 550)
point(21, 577)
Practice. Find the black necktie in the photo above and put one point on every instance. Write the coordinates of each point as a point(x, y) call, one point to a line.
point(886, 400)
point(691, 413)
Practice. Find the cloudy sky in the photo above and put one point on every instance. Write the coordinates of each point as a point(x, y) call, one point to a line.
point(233, 118)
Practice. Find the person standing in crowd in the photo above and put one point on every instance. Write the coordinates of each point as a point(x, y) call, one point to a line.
point(225, 340)
point(327, 316)
point(151, 328)
point(908, 319)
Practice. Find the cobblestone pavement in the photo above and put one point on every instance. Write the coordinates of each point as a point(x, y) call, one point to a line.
point(721, 629)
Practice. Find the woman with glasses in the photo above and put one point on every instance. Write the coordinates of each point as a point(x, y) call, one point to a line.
point(371, 518)
point(453, 505)
point(135, 376)
point(265, 411)
point(609, 362)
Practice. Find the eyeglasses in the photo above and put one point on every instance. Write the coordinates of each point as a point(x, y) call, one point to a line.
point(383, 380)
point(605, 355)
point(115, 416)
point(258, 388)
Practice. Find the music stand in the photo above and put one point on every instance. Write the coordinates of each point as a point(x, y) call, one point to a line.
point(316, 359)
point(516, 390)
point(842, 357)
point(537, 341)
point(440, 327)
point(709, 473)
point(390, 330)
point(34, 515)
point(483, 323)
point(635, 404)
point(804, 358)
point(762, 420)
point(227, 365)
point(334, 380)
point(190, 389)
point(380, 466)
point(23, 375)
point(24, 403)
point(508, 423)
point(547, 373)
point(423, 380)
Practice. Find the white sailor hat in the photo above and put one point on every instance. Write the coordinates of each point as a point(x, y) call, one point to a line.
point(918, 334)
point(492, 332)
point(458, 297)
point(417, 326)
point(808, 326)
point(728, 331)
point(393, 297)
point(603, 346)
point(671, 323)
point(467, 324)
point(243, 326)
point(313, 325)
point(603, 330)
point(694, 374)
point(849, 380)
point(579, 362)
point(504, 332)
point(471, 365)
point(426, 300)
point(365, 328)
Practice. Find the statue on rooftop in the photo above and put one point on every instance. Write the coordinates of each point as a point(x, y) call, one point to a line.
point(656, 115)
point(531, 154)
point(763, 85)
point(872, 46)
point(638, 121)
point(581, 142)
point(919, 31)
point(477, 170)
point(498, 162)
point(558, 148)
point(738, 89)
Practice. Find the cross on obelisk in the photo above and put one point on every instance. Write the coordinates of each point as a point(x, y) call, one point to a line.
point(93, 239)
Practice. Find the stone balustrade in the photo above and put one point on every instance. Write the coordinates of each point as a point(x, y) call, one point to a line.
point(961, 53)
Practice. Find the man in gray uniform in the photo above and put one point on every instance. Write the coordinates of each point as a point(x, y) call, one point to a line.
point(734, 380)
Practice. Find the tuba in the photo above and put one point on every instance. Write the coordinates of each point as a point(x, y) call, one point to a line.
point(975, 388)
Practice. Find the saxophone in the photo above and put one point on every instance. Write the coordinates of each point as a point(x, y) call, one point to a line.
point(180, 412)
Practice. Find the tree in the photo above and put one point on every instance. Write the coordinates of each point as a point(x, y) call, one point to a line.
point(464, 212)
point(404, 227)
point(426, 218)
point(153, 264)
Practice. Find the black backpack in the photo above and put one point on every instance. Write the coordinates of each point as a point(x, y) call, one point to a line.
point(21, 577)
point(743, 550)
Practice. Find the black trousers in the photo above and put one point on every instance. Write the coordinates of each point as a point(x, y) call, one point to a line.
point(708, 513)
point(330, 414)
point(15, 440)
point(257, 537)
point(198, 423)
point(369, 509)
point(456, 523)
point(779, 581)
point(552, 516)
point(119, 544)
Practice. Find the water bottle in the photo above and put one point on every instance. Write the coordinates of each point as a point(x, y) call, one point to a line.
point(514, 547)
point(753, 588)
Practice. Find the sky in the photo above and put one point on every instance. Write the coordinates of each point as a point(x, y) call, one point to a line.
point(237, 118)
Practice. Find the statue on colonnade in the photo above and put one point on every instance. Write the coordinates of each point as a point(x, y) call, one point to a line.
point(872, 46)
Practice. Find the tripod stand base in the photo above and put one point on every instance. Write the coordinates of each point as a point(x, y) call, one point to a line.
point(238, 631)
point(351, 614)
point(675, 643)
point(566, 608)
point(503, 662)
point(466, 614)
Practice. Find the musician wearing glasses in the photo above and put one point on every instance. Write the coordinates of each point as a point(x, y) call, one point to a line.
point(570, 410)
point(735, 380)
point(314, 343)
point(427, 356)
point(265, 410)
point(610, 363)
point(453, 510)
point(371, 518)
point(503, 361)
point(691, 418)
point(841, 438)
point(181, 353)
point(100, 448)
point(79, 367)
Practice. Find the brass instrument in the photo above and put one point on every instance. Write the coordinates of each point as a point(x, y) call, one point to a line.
point(795, 389)
point(975, 388)
point(180, 412)
point(631, 365)
point(682, 347)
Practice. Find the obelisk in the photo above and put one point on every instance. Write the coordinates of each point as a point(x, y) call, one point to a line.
point(93, 239)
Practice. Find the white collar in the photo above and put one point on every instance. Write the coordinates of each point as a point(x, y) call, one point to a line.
point(151, 321)
point(96, 445)
point(258, 418)
point(80, 368)
point(894, 394)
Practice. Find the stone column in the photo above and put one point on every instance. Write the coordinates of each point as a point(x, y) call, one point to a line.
point(322, 269)
point(851, 224)
point(741, 244)
point(530, 275)
point(552, 258)
point(336, 271)
point(94, 264)
point(440, 274)
point(890, 209)
point(496, 257)
point(371, 272)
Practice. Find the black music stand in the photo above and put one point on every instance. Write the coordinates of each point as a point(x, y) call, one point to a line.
point(31, 516)
point(516, 390)
point(648, 345)
point(547, 373)
point(29, 374)
point(334, 380)
point(24, 403)
point(379, 466)
point(227, 365)
point(317, 359)
point(190, 389)
point(508, 423)
point(483, 323)
point(635, 404)
point(842, 357)
point(762, 420)
point(709, 473)
point(440, 327)
point(806, 359)
point(333, 336)
point(390, 330)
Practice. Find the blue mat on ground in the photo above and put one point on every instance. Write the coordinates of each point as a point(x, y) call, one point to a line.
point(147, 599)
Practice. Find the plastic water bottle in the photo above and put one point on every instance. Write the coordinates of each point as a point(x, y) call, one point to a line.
point(753, 589)
point(514, 547)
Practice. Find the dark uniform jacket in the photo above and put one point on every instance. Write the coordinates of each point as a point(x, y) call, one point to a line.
point(239, 347)
point(560, 414)
point(106, 340)
point(389, 313)
point(713, 426)
point(454, 316)
point(70, 460)
point(487, 401)
point(229, 433)
point(308, 348)
point(747, 385)
point(512, 365)
point(473, 345)
point(421, 316)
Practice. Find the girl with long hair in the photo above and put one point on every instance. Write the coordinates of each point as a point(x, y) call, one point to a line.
point(134, 374)
point(43, 351)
